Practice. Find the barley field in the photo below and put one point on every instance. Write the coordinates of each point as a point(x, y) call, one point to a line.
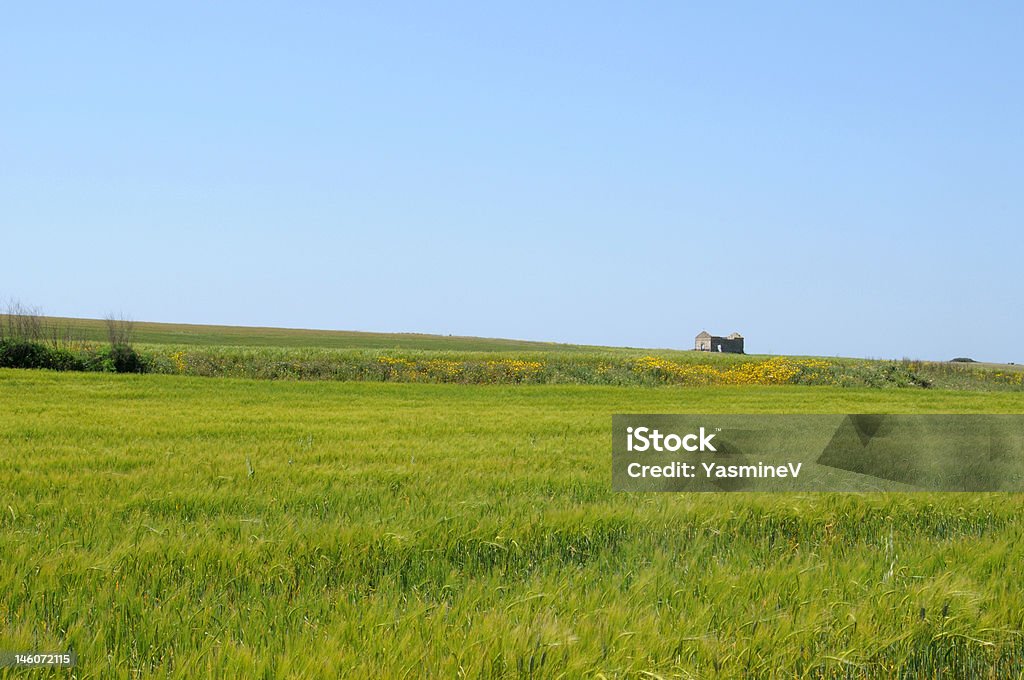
point(180, 526)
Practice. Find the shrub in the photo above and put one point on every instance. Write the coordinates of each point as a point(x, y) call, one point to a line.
point(116, 359)
point(65, 360)
point(23, 354)
point(22, 323)
point(127, 360)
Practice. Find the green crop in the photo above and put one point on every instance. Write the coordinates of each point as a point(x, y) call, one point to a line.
point(185, 527)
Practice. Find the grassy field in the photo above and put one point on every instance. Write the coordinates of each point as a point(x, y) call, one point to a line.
point(623, 367)
point(195, 335)
point(288, 354)
point(206, 336)
point(189, 527)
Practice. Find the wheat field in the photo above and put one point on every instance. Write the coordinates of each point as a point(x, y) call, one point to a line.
point(172, 526)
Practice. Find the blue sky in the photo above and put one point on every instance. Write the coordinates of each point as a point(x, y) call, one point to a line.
point(823, 179)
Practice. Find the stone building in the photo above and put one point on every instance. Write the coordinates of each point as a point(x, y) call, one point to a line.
point(705, 342)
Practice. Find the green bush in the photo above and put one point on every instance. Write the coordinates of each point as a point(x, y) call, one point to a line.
point(27, 354)
point(116, 359)
point(127, 360)
point(65, 360)
point(23, 354)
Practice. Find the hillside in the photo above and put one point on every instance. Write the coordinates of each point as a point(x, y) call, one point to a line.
point(305, 354)
point(155, 333)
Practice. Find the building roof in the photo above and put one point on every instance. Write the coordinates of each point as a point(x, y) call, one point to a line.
point(733, 336)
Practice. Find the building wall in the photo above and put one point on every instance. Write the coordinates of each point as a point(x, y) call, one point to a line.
point(728, 345)
point(716, 342)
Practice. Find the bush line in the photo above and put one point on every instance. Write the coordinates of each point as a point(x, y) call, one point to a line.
point(498, 369)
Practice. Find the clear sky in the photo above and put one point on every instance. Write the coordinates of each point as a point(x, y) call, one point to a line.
point(823, 179)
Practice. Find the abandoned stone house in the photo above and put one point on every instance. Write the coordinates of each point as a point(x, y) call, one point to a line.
point(705, 342)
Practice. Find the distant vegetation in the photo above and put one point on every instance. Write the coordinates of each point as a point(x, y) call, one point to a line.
point(30, 340)
point(571, 367)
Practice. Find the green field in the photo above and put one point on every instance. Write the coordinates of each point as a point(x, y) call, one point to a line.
point(195, 335)
point(187, 527)
point(32, 341)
